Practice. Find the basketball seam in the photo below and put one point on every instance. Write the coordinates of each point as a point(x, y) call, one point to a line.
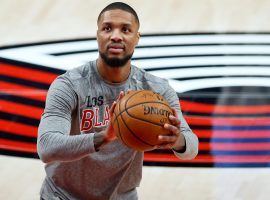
point(134, 133)
point(119, 131)
point(125, 109)
point(120, 112)
point(130, 129)
point(140, 120)
point(157, 124)
point(140, 104)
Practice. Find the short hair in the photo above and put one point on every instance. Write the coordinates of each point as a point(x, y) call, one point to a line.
point(120, 6)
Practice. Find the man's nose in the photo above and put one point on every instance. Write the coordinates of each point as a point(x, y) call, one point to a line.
point(116, 36)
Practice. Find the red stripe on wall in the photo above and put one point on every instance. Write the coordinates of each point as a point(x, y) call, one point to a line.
point(27, 74)
point(231, 134)
point(234, 146)
point(17, 146)
point(18, 128)
point(20, 109)
point(222, 109)
point(151, 157)
point(22, 91)
point(209, 121)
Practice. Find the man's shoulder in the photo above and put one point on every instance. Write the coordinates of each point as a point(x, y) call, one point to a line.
point(145, 76)
point(148, 81)
point(79, 72)
point(75, 77)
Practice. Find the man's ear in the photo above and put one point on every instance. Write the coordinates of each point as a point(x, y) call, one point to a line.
point(138, 37)
point(97, 34)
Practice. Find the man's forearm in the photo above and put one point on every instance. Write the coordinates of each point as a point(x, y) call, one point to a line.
point(58, 147)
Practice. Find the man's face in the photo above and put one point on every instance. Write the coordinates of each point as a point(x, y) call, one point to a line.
point(117, 37)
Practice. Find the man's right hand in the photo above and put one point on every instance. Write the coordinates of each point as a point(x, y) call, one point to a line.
point(104, 137)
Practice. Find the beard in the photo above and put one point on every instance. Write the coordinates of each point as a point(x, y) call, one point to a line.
point(115, 62)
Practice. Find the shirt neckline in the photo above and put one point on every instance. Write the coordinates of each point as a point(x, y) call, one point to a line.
point(94, 65)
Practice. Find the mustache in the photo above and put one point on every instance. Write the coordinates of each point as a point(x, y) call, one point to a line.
point(116, 46)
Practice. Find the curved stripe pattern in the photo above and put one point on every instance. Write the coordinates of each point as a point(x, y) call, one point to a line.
point(223, 81)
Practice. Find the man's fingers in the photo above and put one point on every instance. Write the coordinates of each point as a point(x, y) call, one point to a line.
point(112, 108)
point(120, 96)
point(174, 120)
point(128, 91)
point(175, 112)
point(163, 146)
point(167, 138)
point(173, 129)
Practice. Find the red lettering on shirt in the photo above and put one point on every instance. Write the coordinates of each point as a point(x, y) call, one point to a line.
point(92, 118)
point(106, 116)
point(87, 117)
point(97, 122)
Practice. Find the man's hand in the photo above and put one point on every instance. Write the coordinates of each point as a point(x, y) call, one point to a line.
point(175, 141)
point(107, 135)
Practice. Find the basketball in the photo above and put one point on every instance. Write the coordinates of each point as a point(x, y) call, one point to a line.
point(139, 118)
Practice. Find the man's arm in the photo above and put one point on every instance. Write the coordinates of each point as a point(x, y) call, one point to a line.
point(54, 141)
point(190, 150)
point(186, 146)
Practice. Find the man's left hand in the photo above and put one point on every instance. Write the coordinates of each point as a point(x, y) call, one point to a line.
point(176, 140)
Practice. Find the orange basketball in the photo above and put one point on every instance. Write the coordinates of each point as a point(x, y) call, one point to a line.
point(139, 118)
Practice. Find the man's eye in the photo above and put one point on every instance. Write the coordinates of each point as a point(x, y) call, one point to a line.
point(106, 28)
point(125, 30)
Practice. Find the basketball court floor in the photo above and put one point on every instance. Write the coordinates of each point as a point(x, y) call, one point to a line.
point(29, 21)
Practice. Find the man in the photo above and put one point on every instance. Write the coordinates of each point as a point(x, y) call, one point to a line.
point(84, 160)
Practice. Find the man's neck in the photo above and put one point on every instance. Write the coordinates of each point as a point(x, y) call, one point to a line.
point(113, 74)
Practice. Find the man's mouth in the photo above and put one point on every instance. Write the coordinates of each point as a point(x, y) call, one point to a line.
point(116, 48)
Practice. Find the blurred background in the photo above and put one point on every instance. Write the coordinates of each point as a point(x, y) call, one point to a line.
point(215, 54)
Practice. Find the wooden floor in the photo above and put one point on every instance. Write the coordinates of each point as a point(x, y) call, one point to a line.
point(21, 179)
point(24, 21)
point(30, 21)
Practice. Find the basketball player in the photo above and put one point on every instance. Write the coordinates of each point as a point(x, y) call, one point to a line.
point(84, 160)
